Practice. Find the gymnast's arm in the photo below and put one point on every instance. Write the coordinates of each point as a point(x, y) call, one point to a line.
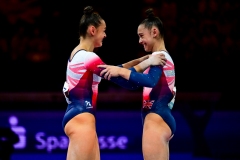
point(91, 63)
point(153, 60)
point(146, 80)
point(135, 79)
point(134, 62)
point(141, 64)
point(131, 74)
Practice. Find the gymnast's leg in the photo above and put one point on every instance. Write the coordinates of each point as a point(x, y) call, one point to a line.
point(156, 136)
point(83, 141)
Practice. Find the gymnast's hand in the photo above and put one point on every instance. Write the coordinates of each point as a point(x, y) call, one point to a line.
point(109, 71)
point(157, 59)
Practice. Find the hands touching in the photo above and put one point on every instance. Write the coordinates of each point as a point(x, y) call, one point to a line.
point(115, 71)
point(157, 59)
point(109, 71)
point(153, 60)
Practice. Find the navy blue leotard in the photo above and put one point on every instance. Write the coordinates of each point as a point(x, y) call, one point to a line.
point(159, 89)
point(81, 86)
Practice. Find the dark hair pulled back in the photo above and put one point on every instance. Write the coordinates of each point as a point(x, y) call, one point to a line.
point(152, 20)
point(89, 17)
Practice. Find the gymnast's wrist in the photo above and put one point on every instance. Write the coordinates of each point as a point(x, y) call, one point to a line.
point(125, 73)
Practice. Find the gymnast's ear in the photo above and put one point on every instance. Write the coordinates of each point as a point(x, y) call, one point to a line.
point(92, 30)
point(154, 31)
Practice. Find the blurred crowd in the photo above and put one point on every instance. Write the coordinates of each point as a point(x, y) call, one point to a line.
point(36, 38)
point(203, 38)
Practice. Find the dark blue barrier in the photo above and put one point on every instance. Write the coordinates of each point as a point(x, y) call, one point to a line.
point(40, 132)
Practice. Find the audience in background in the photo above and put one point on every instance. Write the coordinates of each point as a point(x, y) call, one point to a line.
point(202, 34)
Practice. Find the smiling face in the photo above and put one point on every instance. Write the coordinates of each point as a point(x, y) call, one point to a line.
point(100, 34)
point(146, 38)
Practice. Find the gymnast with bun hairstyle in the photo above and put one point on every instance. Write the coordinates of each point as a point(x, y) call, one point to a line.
point(158, 89)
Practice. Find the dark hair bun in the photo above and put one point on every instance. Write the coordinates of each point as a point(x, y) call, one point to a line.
point(149, 13)
point(88, 10)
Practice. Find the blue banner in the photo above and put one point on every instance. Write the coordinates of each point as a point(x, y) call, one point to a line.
point(41, 132)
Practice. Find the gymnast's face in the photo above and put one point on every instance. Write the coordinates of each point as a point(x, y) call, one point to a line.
point(100, 34)
point(145, 38)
